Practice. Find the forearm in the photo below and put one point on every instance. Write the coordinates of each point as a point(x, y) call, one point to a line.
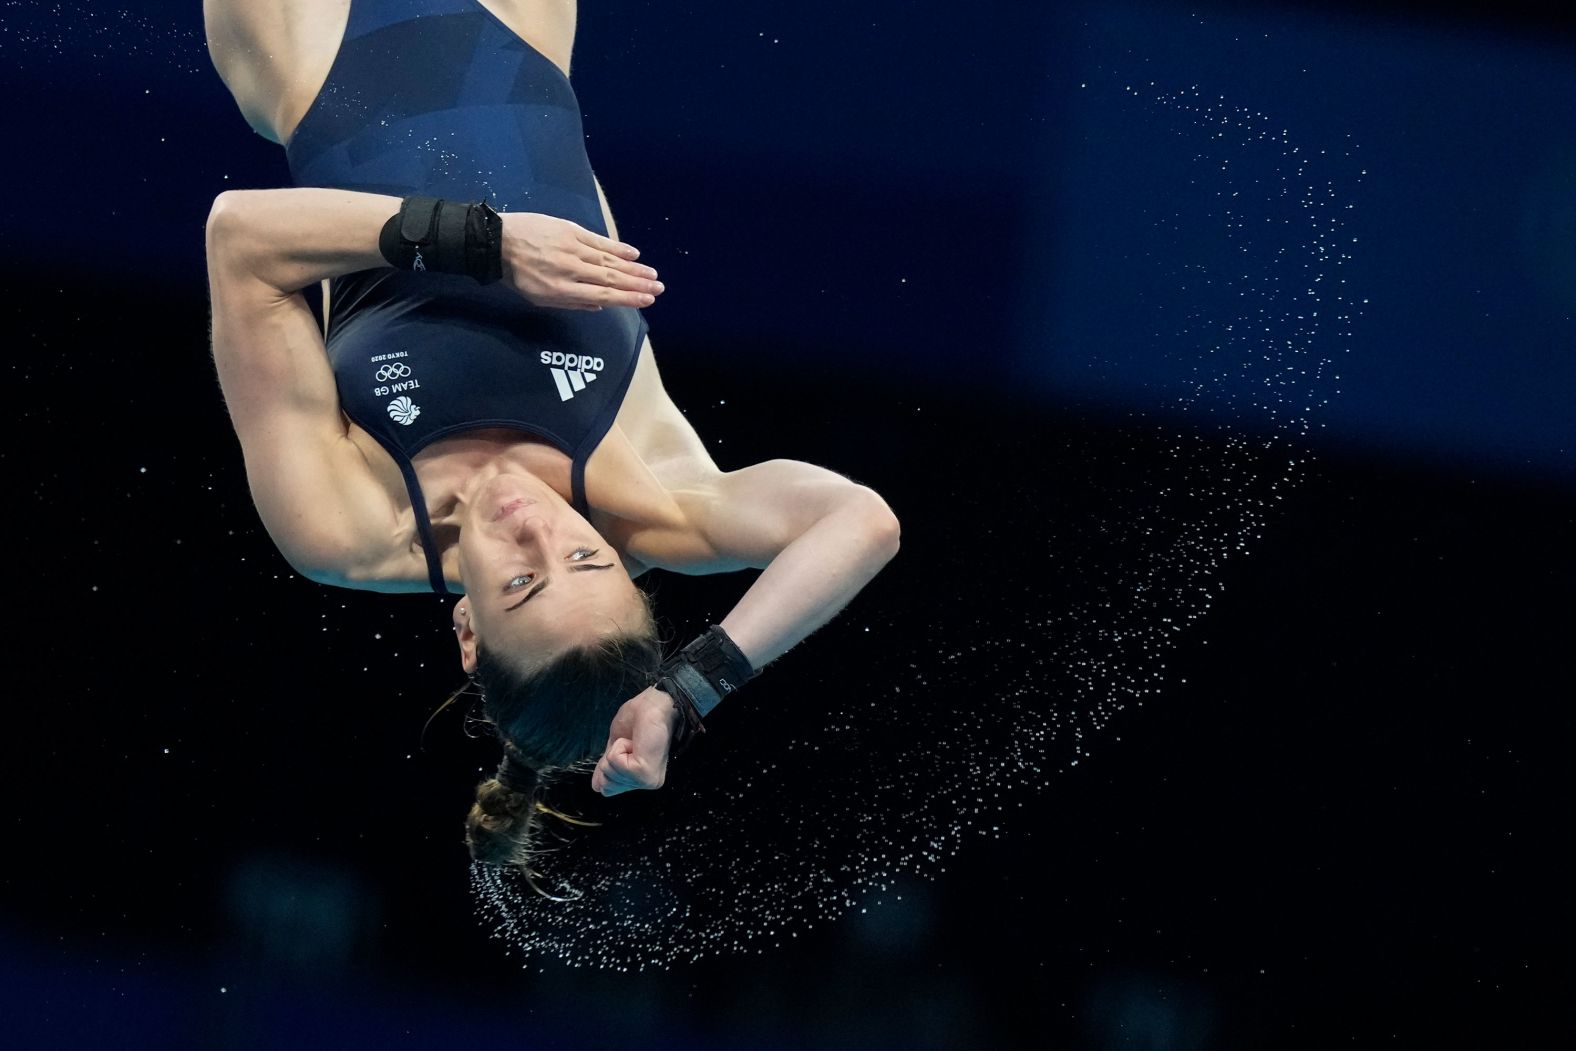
point(292, 238)
point(812, 578)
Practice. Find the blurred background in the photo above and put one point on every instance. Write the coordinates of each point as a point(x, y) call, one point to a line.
point(952, 253)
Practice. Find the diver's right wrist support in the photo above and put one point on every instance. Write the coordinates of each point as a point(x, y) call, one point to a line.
point(444, 237)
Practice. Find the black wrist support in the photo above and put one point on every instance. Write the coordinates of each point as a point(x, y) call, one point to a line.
point(699, 676)
point(445, 237)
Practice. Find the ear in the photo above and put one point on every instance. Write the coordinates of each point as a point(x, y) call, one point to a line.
point(465, 635)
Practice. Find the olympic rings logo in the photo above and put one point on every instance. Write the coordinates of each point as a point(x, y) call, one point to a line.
point(396, 371)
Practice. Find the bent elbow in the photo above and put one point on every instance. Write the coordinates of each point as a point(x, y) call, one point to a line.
point(224, 236)
point(890, 533)
point(881, 524)
point(222, 219)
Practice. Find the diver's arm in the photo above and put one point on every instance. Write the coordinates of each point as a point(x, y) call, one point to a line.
point(310, 483)
point(291, 238)
point(825, 540)
point(821, 539)
point(818, 538)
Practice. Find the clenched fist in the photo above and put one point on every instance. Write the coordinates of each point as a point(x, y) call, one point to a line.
point(637, 744)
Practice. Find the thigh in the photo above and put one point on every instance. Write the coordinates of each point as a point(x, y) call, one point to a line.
point(274, 57)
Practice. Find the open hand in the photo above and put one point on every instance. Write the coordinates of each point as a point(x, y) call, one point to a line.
point(553, 262)
point(637, 744)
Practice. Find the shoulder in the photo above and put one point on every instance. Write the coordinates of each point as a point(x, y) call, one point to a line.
point(335, 519)
point(657, 429)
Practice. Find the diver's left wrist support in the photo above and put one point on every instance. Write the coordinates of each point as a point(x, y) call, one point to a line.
point(699, 676)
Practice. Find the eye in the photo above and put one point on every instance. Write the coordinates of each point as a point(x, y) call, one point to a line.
point(518, 582)
point(584, 553)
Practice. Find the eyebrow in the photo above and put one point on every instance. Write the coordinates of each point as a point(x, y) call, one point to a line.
point(541, 587)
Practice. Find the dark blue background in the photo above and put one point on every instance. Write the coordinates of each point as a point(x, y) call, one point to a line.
point(1343, 820)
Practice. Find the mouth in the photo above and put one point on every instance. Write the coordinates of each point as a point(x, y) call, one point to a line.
point(511, 507)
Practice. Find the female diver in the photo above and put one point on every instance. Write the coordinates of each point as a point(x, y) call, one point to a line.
point(483, 414)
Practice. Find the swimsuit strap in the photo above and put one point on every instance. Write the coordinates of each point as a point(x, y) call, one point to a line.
point(577, 485)
point(429, 546)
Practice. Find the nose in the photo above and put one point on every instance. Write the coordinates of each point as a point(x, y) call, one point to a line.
point(532, 527)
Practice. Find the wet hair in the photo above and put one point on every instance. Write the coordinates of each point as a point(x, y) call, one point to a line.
point(551, 721)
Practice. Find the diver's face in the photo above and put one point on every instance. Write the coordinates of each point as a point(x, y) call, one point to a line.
point(538, 579)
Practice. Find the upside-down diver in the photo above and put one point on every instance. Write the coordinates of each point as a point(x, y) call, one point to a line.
point(482, 414)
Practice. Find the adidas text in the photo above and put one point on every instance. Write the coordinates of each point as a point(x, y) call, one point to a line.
point(572, 361)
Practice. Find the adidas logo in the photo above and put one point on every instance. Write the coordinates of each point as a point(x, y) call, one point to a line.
point(571, 372)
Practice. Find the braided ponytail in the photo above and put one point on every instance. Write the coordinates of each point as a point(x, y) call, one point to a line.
point(551, 723)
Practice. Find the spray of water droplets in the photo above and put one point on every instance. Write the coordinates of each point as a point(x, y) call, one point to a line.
point(820, 797)
point(33, 34)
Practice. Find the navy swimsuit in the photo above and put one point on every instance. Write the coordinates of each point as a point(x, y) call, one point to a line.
point(439, 97)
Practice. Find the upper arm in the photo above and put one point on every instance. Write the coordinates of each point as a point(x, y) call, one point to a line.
point(743, 519)
point(313, 489)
